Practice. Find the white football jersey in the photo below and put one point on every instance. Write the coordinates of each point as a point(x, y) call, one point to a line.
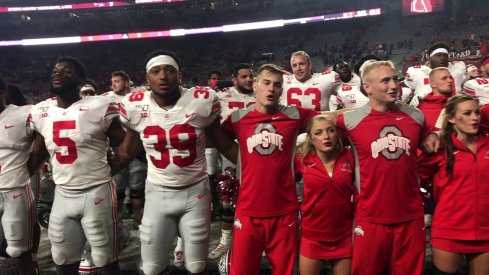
point(15, 146)
point(333, 101)
point(232, 100)
point(478, 87)
point(313, 93)
point(76, 139)
point(350, 96)
point(113, 96)
point(417, 77)
point(174, 138)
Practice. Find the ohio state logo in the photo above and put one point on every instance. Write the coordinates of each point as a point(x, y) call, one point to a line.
point(391, 144)
point(265, 140)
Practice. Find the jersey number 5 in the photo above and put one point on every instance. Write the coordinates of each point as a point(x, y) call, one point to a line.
point(64, 141)
point(177, 131)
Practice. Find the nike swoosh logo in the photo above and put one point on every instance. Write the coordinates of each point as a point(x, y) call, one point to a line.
point(315, 83)
point(399, 118)
point(199, 197)
point(98, 202)
point(16, 196)
point(189, 115)
point(8, 126)
point(291, 224)
point(275, 118)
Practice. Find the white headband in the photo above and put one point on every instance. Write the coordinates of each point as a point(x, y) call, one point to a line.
point(161, 60)
point(471, 68)
point(365, 64)
point(439, 50)
point(87, 87)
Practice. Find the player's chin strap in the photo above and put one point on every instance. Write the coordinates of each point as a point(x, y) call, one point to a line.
point(439, 50)
point(161, 60)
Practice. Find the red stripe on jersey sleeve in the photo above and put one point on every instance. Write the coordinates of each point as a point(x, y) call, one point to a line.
point(469, 91)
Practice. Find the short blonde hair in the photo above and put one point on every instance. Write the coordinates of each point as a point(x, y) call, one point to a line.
point(301, 53)
point(435, 71)
point(373, 66)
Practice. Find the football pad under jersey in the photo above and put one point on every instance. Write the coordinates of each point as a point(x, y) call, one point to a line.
point(15, 146)
point(478, 87)
point(76, 139)
point(311, 94)
point(173, 138)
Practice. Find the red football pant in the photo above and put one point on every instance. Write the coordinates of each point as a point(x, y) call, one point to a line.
point(277, 236)
point(398, 248)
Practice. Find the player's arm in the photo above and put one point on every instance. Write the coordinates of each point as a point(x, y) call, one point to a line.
point(223, 142)
point(115, 132)
point(334, 114)
point(128, 149)
point(38, 154)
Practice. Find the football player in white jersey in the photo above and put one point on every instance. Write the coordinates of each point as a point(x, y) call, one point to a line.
point(348, 93)
point(73, 132)
point(305, 89)
point(90, 88)
point(479, 85)
point(121, 85)
point(239, 96)
point(212, 160)
point(17, 201)
point(417, 77)
point(171, 122)
point(134, 175)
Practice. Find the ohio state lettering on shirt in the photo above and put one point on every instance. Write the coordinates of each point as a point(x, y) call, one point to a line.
point(266, 146)
point(174, 138)
point(386, 177)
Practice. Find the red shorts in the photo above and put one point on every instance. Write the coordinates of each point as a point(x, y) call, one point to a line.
point(398, 247)
point(277, 236)
point(461, 246)
point(326, 250)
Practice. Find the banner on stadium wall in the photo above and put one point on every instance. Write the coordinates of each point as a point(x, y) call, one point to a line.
point(460, 55)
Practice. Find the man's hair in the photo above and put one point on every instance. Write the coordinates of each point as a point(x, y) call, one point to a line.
point(435, 71)
point(122, 75)
point(163, 52)
point(272, 68)
point(335, 66)
point(214, 72)
point(3, 85)
point(437, 46)
point(362, 60)
point(301, 53)
point(239, 67)
point(76, 63)
point(374, 65)
point(16, 95)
